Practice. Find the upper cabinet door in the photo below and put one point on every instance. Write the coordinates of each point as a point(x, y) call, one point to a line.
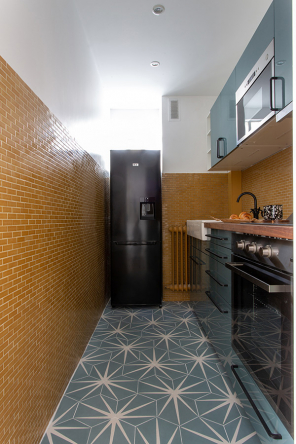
point(257, 45)
point(223, 122)
point(217, 152)
point(283, 52)
point(229, 112)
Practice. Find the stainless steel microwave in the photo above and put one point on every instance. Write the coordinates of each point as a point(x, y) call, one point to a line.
point(255, 98)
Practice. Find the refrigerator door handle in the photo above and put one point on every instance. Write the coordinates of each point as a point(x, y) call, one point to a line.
point(135, 243)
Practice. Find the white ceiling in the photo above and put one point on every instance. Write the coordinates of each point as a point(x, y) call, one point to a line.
point(197, 43)
point(83, 57)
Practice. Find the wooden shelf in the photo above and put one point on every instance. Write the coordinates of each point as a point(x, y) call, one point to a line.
point(280, 231)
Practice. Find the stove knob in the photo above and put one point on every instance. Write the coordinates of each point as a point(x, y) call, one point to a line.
point(253, 248)
point(268, 251)
point(241, 245)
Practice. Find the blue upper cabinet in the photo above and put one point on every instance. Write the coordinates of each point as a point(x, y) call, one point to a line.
point(223, 126)
point(216, 131)
point(277, 25)
point(229, 112)
point(283, 52)
point(257, 45)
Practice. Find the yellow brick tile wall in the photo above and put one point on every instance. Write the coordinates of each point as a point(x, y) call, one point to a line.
point(271, 181)
point(184, 197)
point(53, 243)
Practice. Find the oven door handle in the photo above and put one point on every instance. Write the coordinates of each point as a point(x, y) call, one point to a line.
point(270, 288)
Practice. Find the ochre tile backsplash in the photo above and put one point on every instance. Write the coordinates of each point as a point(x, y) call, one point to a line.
point(184, 197)
point(53, 256)
point(271, 181)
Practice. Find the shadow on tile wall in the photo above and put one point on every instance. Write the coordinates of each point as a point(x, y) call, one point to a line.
point(54, 238)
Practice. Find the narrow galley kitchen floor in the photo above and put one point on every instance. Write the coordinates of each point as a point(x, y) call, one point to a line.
point(149, 376)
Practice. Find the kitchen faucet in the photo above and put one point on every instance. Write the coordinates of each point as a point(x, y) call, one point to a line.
point(256, 211)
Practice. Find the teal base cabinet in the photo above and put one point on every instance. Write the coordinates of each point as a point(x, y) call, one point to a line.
point(198, 263)
point(215, 317)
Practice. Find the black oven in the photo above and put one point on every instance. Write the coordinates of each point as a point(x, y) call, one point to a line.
point(262, 317)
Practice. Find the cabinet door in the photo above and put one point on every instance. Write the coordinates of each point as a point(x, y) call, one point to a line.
point(216, 153)
point(283, 51)
point(223, 126)
point(257, 45)
point(228, 115)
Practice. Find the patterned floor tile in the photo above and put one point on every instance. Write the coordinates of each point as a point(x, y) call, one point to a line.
point(150, 376)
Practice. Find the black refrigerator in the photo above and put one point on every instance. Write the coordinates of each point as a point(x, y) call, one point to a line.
point(136, 250)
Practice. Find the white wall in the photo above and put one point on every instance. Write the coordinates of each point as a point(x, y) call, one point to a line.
point(185, 140)
point(46, 44)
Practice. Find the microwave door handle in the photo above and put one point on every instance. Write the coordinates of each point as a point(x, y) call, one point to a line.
point(235, 267)
point(272, 95)
point(221, 139)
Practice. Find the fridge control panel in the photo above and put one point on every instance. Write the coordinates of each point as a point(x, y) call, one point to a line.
point(147, 208)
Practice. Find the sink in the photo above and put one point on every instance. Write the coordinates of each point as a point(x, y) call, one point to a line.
point(196, 228)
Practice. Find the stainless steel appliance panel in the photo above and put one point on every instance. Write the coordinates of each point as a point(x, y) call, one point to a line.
point(255, 97)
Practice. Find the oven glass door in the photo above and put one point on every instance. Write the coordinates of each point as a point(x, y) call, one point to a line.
point(262, 331)
point(253, 109)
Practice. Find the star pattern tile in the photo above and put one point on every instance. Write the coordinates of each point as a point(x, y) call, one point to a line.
point(150, 376)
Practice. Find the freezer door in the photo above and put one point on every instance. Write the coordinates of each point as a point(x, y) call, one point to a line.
point(136, 274)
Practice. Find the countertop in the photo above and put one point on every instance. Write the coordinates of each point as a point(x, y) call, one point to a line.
point(280, 231)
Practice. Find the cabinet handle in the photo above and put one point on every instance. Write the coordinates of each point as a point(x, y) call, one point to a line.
point(198, 249)
point(215, 237)
point(215, 254)
point(269, 433)
point(272, 101)
point(135, 243)
point(211, 276)
point(197, 263)
point(221, 139)
point(208, 293)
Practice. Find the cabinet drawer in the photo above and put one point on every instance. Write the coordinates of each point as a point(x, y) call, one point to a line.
point(205, 311)
point(221, 334)
point(218, 253)
point(220, 237)
point(220, 280)
point(218, 301)
point(224, 276)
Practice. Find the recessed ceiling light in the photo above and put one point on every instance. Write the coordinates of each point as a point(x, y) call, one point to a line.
point(158, 9)
point(154, 64)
